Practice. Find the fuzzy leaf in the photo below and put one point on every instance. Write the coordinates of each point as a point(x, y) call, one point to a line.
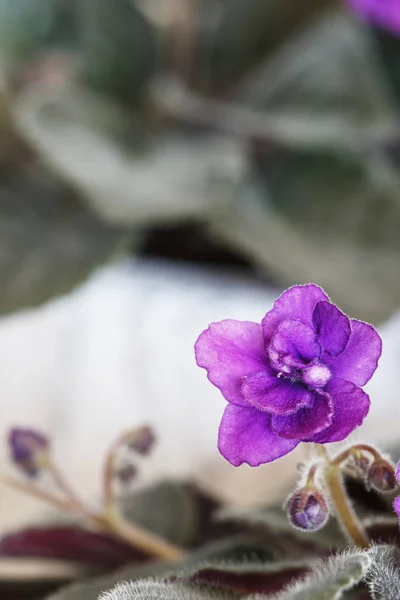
point(157, 590)
point(249, 577)
point(383, 576)
point(330, 579)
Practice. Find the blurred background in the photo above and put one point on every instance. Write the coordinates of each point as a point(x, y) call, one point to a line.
point(168, 163)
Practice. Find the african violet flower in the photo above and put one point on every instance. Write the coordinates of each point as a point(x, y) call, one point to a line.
point(295, 377)
point(383, 13)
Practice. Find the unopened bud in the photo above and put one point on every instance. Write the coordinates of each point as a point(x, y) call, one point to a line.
point(382, 477)
point(307, 510)
point(29, 450)
point(126, 474)
point(142, 440)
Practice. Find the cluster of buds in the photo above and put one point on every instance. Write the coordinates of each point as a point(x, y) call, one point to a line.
point(309, 506)
point(366, 463)
point(30, 452)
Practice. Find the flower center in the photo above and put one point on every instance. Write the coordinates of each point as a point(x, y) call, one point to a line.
point(316, 375)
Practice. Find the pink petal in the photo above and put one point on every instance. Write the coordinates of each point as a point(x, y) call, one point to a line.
point(350, 407)
point(298, 302)
point(267, 392)
point(332, 326)
point(360, 358)
point(306, 422)
point(245, 436)
point(229, 350)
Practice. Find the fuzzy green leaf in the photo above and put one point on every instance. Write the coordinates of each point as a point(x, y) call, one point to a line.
point(157, 590)
point(329, 579)
point(383, 576)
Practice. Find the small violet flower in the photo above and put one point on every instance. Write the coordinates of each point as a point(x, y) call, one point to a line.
point(296, 377)
point(383, 13)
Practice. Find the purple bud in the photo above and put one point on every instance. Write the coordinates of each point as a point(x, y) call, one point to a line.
point(126, 474)
point(29, 450)
point(381, 476)
point(307, 510)
point(142, 440)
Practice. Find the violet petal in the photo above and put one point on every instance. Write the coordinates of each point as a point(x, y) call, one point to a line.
point(229, 350)
point(360, 358)
point(298, 302)
point(350, 407)
point(276, 395)
point(245, 436)
point(396, 505)
point(295, 339)
point(332, 326)
point(306, 421)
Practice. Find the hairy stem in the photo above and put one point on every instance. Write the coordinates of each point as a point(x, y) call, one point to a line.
point(343, 508)
point(342, 505)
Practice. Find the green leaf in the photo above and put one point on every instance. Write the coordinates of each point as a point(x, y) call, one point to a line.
point(158, 590)
point(119, 47)
point(383, 576)
point(248, 30)
point(388, 47)
point(330, 579)
point(26, 27)
point(172, 510)
point(48, 242)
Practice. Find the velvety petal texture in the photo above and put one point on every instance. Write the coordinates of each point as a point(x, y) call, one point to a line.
point(298, 302)
point(359, 360)
point(268, 392)
point(350, 406)
point(332, 328)
point(245, 436)
point(296, 377)
point(229, 350)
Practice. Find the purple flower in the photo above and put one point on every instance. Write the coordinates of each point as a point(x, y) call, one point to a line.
point(383, 13)
point(296, 377)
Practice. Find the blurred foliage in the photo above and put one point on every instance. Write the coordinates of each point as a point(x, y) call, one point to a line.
point(274, 122)
point(252, 554)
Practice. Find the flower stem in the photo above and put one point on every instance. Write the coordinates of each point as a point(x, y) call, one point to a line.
point(109, 521)
point(344, 510)
point(342, 505)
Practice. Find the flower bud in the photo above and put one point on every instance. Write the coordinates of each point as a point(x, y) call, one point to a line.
point(381, 476)
point(126, 474)
point(29, 450)
point(307, 509)
point(142, 440)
